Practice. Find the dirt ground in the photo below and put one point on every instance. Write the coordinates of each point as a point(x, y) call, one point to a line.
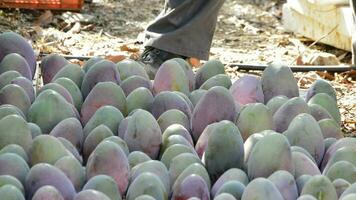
point(246, 33)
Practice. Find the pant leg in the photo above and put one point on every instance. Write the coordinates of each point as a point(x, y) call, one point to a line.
point(353, 45)
point(185, 27)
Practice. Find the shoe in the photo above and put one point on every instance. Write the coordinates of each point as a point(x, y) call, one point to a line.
point(152, 58)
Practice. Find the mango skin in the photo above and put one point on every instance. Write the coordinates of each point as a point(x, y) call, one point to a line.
point(233, 174)
point(45, 174)
point(320, 187)
point(285, 183)
point(208, 70)
point(47, 192)
point(247, 89)
point(15, 95)
point(225, 142)
point(71, 71)
point(261, 189)
point(16, 62)
point(278, 79)
point(50, 65)
point(13, 165)
point(104, 184)
point(274, 144)
point(90, 195)
point(192, 186)
point(11, 42)
point(109, 159)
point(221, 107)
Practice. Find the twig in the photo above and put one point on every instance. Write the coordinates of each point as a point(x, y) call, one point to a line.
point(315, 42)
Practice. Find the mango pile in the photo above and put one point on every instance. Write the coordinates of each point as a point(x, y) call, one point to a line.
point(105, 131)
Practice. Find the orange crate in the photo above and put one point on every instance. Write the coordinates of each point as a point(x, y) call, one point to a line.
point(43, 4)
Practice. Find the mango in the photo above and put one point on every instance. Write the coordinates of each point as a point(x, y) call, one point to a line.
point(222, 80)
point(179, 164)
point(285, 183)
point(48, 110)
point(14, 130)
point(102, 71)
point(8, 109)
point(172, 140)
point(171, 117)
point(109, 116)
point(134, 82)
point(35, 129)
point(149, 184)
point(73, 90)
point(104, 184)
point(15, 95)
point(197, 169)
point(305, 132)
point(123, 127)
point(169, 100)
point(343, 142)
point(232, 187)
point(70, 129)
point(11, 192)
point(11, 180)
point(16, 149)
point(350, 190)
point(128, 68)
point(328, 103)
point(26, 84)
point(45, 174)
point(50, 65)
point(103, 94)
point(273, 144)
point(89, 63)
point(277, 79)
point(47, 149)
point(154, 167)
point(202, 142)
point(301, 181)
point(144, 197)
point(224, 142)
point(140, 98)
point(224, 196)
point(58, 88)
point(90, 195)
point(275, 103)
point(170, 77)
point(188, 71)
point(11, 42)
point(186, 98)
point(320, 86)
point(306, 197)
point(320, 187)
point(304, 165)
point(73, 170)
point(192, 186)
point(13, 165)
point(328, 142)
point(261, 189)
point(7, 77)
point(208, 70)
point(330, 128)
point(303, 151)
point(173, 151)
point(97, 135)
point(176, 129)
point(343, 154)
point(71, 149)
point(143, 134)
point(122, 144)
point(196, 95)
point(318, 112)
point(253, 118)
point(109, 159)
point(349, 197)
point(221, 107)
point(47, 192)
point(71, 71)
point(341, 170)
point(16, 62)
point(247, 89)
point(137, 157)
point(233, 174)
point(287, 112)
point(250, 144)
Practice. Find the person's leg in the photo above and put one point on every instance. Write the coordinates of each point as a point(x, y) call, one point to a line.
point(353, 6)
point(185, 28)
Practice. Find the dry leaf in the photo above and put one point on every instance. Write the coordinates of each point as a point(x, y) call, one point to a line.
point(129, 48)
point(115, 58)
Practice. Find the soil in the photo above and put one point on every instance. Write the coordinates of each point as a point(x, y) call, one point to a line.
point(246, 33)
